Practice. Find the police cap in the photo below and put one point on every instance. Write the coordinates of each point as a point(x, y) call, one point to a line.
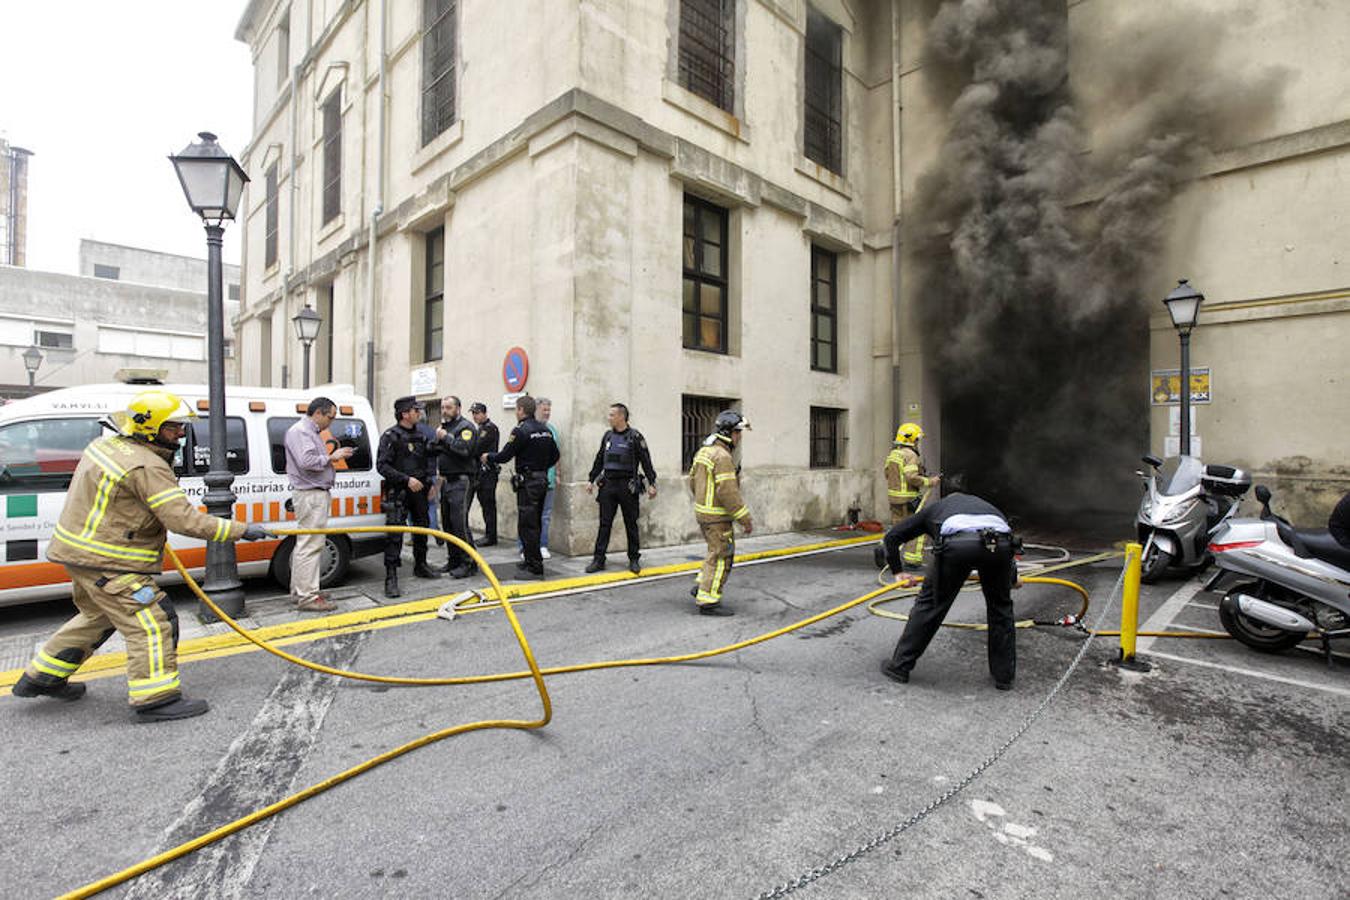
point(477, 407)
point(403, 404)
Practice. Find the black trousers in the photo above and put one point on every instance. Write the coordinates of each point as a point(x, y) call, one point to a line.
point(530, 518)
point(486, 492)
point(953, 560)
point(404, 507)
point(614, 496)
point(456, 493)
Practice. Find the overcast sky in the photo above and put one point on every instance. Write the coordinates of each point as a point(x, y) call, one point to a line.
point(102, 91)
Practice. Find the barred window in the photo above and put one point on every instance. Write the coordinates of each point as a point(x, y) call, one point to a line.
point(438, 67)
point(434, 310)
point(707, 50)
point(705, 276)
point(272, 217)
point(824, 310)
point(332, 156)
point(823, 116)
point(827, 437)
point(698, 415)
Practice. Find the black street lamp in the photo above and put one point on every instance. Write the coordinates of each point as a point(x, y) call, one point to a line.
point(213, 183)
point(307, 325)
point(1183, 305)
point(32, 361)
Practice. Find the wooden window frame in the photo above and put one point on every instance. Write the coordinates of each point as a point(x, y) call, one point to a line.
point(699, 275)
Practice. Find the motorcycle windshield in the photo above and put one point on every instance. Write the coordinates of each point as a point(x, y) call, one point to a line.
point(1179, 474)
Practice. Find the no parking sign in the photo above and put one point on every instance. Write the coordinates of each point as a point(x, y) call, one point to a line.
point(515, 369)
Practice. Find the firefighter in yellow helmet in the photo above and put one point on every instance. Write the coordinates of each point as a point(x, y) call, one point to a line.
point(906, 486)
point(122, 501)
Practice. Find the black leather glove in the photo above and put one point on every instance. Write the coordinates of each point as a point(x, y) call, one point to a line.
point(257, 533)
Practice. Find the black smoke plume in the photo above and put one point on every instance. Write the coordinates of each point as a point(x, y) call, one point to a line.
point(1035, 257)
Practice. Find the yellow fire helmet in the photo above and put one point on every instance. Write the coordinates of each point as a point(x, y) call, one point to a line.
point(908, 433)
point(149, 410)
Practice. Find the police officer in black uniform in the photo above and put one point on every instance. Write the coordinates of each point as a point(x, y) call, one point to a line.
point(969, 534)
point(457, 456)
point(489, 439)
point(532, 446)
point(620, 466)
point(405, 462)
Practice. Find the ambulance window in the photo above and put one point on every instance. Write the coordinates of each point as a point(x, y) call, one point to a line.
point(199, 446)
point(342, 433)
point(41, 455)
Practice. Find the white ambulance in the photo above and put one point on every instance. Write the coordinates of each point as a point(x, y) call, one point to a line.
point(42, 438)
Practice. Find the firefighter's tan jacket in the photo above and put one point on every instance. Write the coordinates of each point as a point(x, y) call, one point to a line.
point(717, 491)
point(903, 481)
point(122, 502)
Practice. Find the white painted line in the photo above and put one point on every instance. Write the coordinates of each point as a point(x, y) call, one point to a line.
point(1209, 606)
point(1167, 612)
point(1296, 682)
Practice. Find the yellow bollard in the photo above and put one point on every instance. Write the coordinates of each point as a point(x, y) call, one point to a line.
point(1129, 607)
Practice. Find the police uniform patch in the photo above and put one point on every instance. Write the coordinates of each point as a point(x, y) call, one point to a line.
point(466, 434)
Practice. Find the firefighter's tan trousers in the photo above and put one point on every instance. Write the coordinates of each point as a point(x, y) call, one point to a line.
point(913, 551)
point(717, 563)
point(130, 604)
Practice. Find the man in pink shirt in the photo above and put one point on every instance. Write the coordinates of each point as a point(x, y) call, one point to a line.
point(309, 467)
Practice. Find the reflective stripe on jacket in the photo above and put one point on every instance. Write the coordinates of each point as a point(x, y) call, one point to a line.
point(903, 481)
point(123, 500)
point(713, 481)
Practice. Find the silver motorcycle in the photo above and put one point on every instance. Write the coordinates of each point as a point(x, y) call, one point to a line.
point(1285, 584)
point(1184, 503)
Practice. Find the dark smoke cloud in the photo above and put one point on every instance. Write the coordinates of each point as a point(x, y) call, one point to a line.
point(1035, 294)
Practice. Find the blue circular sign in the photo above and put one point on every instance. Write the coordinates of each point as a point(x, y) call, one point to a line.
point(515, 369)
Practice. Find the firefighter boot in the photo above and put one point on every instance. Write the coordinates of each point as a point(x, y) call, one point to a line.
point(391, 582)
point(63, 690)
point(168, 710)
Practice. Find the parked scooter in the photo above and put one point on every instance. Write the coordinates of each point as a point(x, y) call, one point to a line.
point(1175, 521)
point(1286, 583)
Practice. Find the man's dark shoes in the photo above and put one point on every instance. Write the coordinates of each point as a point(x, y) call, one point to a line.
point(391, 584)
point(894, 674)
point(486, 542)
point(177, 708)
point(421, 570)
point(526, 572)
point(714, 609)
point(595, 565)
point(1003, 685)
point(634, 566)
point(66, 690)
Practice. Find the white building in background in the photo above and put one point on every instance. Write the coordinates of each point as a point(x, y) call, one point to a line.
point(13, 204)
point(691, 204)
point(88, 327)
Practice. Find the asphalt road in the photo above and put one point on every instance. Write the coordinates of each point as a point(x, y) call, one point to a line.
point(1220, 773)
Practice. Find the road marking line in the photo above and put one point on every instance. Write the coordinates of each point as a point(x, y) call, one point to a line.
point(1296, 682)
point(1161, 619)
point(260, 768)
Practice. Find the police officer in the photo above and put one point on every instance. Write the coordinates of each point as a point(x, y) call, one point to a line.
point(615, 471)
point(532, 446)
point(457, 457)
point(715, 483)
point(489, 439)
point(906, 484)
point(122, 502)
point(971, 535)
point(405, 462)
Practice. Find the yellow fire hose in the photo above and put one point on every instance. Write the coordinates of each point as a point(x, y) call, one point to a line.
point(533, 671)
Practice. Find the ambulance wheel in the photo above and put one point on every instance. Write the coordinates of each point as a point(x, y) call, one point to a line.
point(333, 565)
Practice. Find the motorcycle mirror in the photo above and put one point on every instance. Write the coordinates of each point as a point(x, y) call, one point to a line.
point(1153, 461)
point(1262, 493)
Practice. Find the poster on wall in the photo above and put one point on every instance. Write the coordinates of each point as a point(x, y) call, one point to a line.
point(1165, 389)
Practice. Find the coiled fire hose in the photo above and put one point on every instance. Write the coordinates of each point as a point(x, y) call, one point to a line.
point(533, 671)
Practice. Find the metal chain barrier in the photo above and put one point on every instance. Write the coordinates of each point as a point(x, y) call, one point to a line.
point(815, 874)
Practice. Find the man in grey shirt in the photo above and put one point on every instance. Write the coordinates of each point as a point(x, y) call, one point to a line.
point(309, 467)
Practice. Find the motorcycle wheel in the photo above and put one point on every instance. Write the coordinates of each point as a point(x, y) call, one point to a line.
point(1257, 635)
point(1154, 564)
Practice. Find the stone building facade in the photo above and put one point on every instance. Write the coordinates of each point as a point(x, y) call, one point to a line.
point(685, 204)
